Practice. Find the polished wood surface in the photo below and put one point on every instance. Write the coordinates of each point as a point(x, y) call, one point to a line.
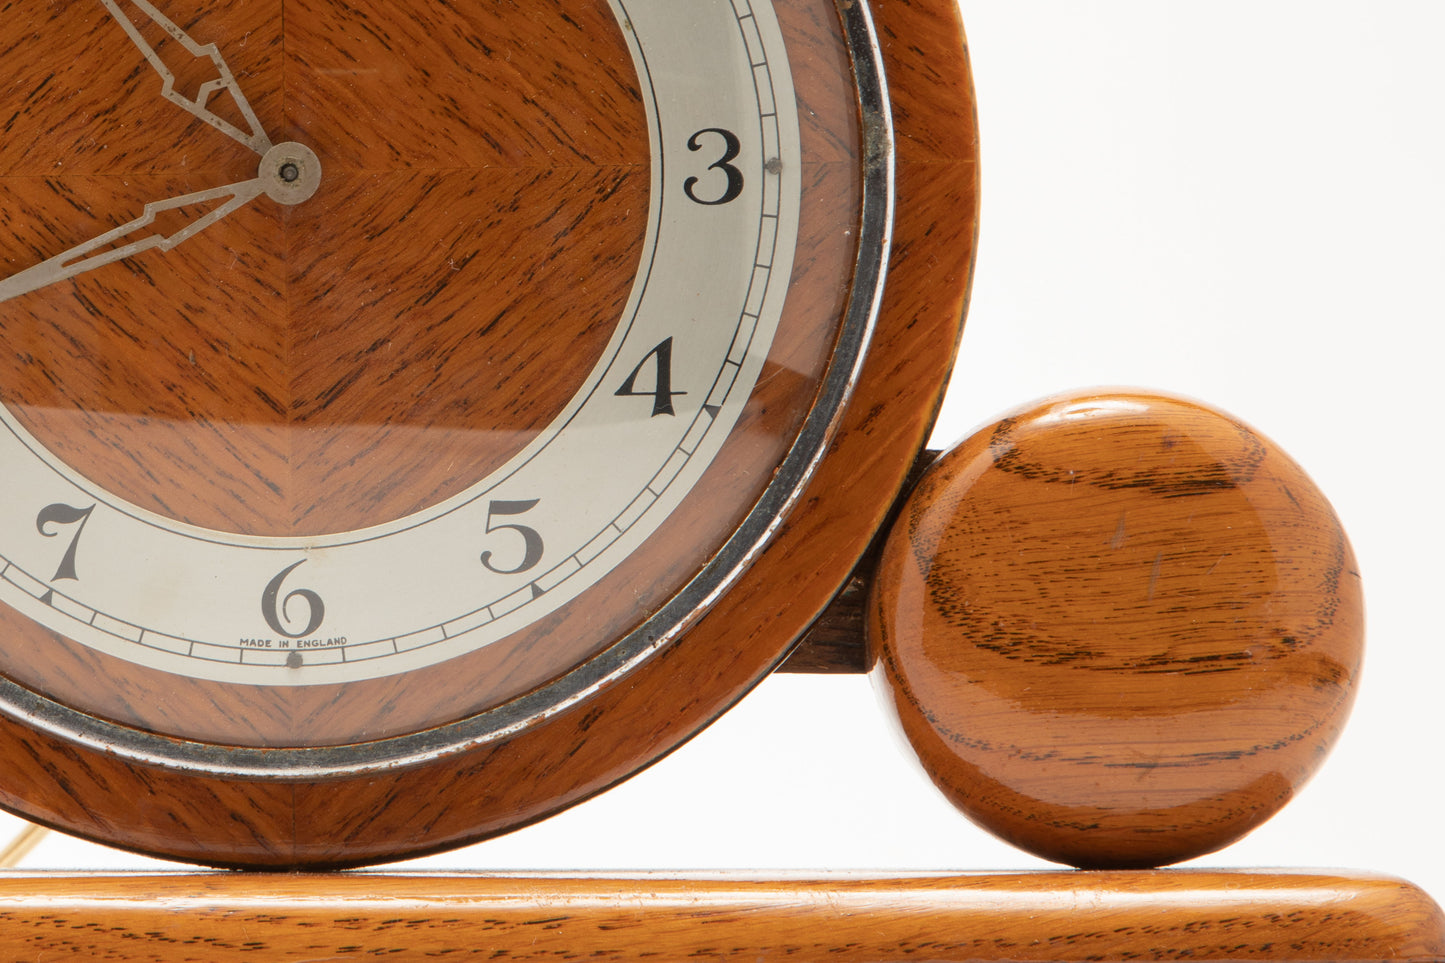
point(853, 919)
point(396, 358)
point(837, 643)
point(1119, 629)
point(486, 789)
point(327, 366)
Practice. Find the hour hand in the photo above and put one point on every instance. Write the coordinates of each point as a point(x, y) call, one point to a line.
point(134, 237)
point(256, 138)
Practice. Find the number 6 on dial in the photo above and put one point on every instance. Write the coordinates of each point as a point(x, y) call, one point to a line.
point(560, 401)
point(275, 609)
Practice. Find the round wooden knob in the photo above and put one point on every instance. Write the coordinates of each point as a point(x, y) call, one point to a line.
point(1120, 630)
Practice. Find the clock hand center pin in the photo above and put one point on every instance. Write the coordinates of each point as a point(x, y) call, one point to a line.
point(290, 173)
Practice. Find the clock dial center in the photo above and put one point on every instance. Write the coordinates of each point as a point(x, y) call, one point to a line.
point(421, 416)
point(485, 476)
point(291, 173)
point(457, 424)
point(311, 362)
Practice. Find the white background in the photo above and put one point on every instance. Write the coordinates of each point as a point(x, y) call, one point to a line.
point(1243, 201)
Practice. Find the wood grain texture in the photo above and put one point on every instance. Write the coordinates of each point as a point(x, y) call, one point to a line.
point(1051, 918)
point(343, 362)
point(837, 643)
point(387, 358)
point(482, 790)
point(1119, 629)
point(323, 367)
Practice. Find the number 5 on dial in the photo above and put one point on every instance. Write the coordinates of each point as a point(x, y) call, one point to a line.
point(532, 541)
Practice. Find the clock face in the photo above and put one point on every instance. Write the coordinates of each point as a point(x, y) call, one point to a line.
point(342, 360)
point(389, 385)
point(289, 598)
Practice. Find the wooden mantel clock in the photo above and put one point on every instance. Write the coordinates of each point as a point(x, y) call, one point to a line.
point(404, 399)
point(421, 415)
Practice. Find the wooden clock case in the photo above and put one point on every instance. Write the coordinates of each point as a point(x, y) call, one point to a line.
point(288, 819)
point(384, 773)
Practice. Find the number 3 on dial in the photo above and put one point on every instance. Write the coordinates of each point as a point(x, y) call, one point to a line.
point(732, 147)
point(580, 494)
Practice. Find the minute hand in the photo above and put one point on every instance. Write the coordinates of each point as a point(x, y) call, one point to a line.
point(256, 140)
point(108, 247)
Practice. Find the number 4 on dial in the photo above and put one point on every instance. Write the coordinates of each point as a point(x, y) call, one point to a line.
point(662, 393)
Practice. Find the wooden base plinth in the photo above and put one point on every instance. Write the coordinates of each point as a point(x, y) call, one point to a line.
point(842, 919)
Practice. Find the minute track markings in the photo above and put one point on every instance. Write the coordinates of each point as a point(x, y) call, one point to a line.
point(769, 212)
point(199, 755)
point(712, 414)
